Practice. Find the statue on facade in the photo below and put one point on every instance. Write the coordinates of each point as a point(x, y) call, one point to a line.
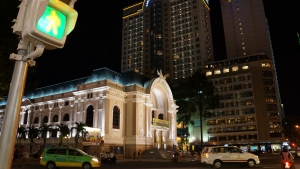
point(160, 74)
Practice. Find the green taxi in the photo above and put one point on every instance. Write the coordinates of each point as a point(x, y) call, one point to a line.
point(67, 157)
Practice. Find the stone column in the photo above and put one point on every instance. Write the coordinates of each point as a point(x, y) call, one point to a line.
point(81, 113)
point(148, 121)
point(21, 118)
point(103, 116)
point(40, 118)
point(29, 118)
point(59, 115)
point(49, 116)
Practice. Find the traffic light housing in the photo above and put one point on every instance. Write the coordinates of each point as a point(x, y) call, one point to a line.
point(48, 22)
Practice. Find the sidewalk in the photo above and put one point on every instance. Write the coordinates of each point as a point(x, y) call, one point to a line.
point(33, 162)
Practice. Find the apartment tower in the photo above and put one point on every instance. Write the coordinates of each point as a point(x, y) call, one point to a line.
point(173, 36)
point(245, 28)
point(250, 111)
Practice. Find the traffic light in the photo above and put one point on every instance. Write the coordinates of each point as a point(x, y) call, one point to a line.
point(46, 21)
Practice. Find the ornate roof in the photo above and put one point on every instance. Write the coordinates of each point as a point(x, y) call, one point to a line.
point(126, 79)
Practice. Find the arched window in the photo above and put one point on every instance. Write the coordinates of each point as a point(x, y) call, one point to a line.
point(153, 114)
point(25, 117)
point(36, 120)
point(45, 120)
point(89, 116)
point(55, 118)
point(66, 117)
point(161, 116)
point(116, 118)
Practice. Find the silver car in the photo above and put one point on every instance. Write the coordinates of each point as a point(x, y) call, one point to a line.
point(219, 155)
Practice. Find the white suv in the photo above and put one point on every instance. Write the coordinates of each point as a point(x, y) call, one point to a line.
point(218, 155)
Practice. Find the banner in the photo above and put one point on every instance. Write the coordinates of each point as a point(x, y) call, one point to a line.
point(159, 122)
point(92, 136)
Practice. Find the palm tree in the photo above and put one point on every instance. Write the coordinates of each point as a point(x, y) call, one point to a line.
point(21, 134)
point(80, 131)
point(64, 131)
point(44, 130)
point(33, 133)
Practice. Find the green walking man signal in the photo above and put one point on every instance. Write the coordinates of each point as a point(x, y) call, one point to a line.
point(46, 21)
point(52, 23)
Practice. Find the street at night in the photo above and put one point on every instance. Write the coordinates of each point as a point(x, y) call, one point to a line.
point(152, 80)
point(270, 161)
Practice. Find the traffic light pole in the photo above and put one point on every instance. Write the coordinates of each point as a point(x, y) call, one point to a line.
point(201, 127)
point(13, 105)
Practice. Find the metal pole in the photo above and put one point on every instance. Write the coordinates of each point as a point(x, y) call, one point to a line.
point(12, 111)
point(201, 131)
point(100, 139)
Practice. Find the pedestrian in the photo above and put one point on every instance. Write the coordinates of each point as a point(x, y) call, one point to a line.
point(180, 155)
point(134, 155)
point(139, 155)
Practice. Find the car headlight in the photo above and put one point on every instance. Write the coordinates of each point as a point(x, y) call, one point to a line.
point(95, 160)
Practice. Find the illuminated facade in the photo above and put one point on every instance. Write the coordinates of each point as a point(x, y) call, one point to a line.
point(128, 110)
point(249, 112)
point(169, 35)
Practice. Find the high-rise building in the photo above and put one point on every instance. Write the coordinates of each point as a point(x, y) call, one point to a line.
point(245, 28)
point(249, 113)
point(169, 35)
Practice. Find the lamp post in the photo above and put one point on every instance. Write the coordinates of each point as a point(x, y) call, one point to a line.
point(293, 137)
point(200, 108)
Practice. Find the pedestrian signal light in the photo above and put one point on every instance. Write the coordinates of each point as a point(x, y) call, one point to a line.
point(49, 22)
point(52, 23)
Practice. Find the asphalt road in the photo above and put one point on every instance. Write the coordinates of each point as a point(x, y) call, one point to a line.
point(268, 161)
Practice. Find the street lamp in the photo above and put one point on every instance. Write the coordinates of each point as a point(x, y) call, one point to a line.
point(67, 137)
point(200, 108)
point(293, 137)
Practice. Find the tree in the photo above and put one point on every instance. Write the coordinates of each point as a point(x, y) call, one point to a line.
point(64, 131)
point(21, 135)
point(186, 108)
point(80, 131)
point(187, 98)
point(44, 129)
point(33, 133)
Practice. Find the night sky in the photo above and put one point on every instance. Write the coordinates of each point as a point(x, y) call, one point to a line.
point(97, 38)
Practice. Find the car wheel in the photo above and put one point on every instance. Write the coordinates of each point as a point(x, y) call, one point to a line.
point(51, 165)
point(251, 163)
point(86, 166)
point(217, 164)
